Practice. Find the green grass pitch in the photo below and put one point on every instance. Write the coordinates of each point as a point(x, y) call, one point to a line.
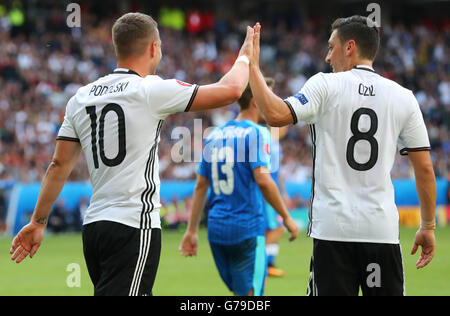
point(46, 273)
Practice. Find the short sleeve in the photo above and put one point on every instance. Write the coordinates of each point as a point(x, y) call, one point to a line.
point(309, 104)
point(170, 96)
point(414, 135)
point(67, 130)
point(259, 148)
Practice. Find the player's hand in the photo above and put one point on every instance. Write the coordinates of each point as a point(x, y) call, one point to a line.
point(27, 241)
point(256, 44)
point(247, 47)
point(189, 244)
point(292, 227)
point(427, 240)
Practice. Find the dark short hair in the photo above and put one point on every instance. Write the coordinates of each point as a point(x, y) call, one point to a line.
point(132, 33)
point(357, 28)
point(247, 95)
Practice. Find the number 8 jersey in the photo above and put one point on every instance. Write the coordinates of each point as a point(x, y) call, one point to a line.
point(357, 121)
point(117, 120)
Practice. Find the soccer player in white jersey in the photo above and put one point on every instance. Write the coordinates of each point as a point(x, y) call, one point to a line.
point(116, 121)
point(357, 119)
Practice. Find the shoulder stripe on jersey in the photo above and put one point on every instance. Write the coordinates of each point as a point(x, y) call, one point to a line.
point(405, 151)
point(70, 139)
point(147, 194)
point(191, 100)
point(312, 129)
point(294, 116)
point(144, 249)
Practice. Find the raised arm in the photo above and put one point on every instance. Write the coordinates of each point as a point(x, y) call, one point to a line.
point(30, 237)
point(426, 190)
point(275, 111)
point(230, 88)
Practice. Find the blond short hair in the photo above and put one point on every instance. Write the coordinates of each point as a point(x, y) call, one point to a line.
point(132, 33)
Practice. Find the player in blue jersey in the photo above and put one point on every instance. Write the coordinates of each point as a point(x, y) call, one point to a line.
point(235, 166)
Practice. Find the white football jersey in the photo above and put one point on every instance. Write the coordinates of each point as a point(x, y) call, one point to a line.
point(357, 120)
point(117, 120)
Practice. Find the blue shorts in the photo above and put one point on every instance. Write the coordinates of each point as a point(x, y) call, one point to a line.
point(242, 266)
point(271, 217)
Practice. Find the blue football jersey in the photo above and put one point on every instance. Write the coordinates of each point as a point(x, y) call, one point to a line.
point(230, 155)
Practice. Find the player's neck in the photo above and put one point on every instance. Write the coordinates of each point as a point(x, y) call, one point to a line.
point(360, 62)
point(247, 115)
point(135, 65)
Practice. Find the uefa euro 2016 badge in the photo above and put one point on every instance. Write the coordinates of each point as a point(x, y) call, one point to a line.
point(302, 98)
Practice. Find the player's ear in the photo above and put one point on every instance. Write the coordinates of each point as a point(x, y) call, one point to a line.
point(153, 48)
point(350, 47)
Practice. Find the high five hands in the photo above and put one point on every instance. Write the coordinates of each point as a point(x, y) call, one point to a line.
point(251, 45)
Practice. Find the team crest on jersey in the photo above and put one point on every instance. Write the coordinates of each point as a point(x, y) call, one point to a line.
point(267, 148)
point(302, 98)
point(184, 83)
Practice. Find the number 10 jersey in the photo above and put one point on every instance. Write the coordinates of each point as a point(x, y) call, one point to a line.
point(357, 120)
point(117, 120)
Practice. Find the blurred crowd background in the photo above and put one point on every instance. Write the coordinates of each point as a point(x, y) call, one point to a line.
point(43, 62)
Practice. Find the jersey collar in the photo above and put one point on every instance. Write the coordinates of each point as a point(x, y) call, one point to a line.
point(364, 67)
point(125, 71)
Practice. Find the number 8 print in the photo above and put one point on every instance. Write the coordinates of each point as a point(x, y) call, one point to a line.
point(368, 136)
